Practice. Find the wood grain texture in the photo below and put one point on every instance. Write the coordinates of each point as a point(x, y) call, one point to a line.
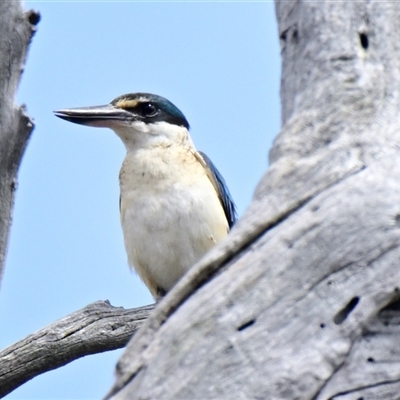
point(301, 299)
point(96, 328)
point(16, 30)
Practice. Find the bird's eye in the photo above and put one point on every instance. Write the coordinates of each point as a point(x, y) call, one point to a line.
point(148, 109)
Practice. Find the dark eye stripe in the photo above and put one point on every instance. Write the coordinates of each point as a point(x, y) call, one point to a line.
point(144, 110)
point(147, 109)
point(165, 111)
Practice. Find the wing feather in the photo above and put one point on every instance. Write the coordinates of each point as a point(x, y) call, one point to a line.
point(220, 186)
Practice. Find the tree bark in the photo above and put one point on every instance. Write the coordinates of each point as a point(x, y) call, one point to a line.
point(96, 328)
point(16, 30)
point(301, 300)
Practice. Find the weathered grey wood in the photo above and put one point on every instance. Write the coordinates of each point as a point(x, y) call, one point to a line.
point(372, 369)
point(285, 307)
point(16, 30)
point(96, 328)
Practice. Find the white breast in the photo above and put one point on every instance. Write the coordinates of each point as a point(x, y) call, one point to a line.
point(170, 214)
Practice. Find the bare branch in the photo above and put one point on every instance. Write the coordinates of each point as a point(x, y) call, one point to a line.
point(96, 328)
point(16, 31)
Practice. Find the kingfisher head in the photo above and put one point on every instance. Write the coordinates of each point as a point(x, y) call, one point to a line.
point(139, 119)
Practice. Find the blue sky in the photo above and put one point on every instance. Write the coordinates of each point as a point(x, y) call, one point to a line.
point(217, 62)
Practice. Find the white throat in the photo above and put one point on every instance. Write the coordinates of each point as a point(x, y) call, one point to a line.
point(139, 135)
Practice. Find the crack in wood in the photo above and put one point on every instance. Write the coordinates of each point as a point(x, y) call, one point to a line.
point(355, 390)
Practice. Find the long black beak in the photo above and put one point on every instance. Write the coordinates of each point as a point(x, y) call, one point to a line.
point(99, 116)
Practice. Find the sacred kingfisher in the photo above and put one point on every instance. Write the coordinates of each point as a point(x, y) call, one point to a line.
point(174, 203)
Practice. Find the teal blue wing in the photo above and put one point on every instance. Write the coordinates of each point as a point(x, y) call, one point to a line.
point(222, 189)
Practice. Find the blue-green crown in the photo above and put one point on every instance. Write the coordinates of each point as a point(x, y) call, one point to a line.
point(140, 104)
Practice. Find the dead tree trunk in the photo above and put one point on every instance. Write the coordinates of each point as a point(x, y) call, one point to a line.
point(301, 300)
point(16, 31)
